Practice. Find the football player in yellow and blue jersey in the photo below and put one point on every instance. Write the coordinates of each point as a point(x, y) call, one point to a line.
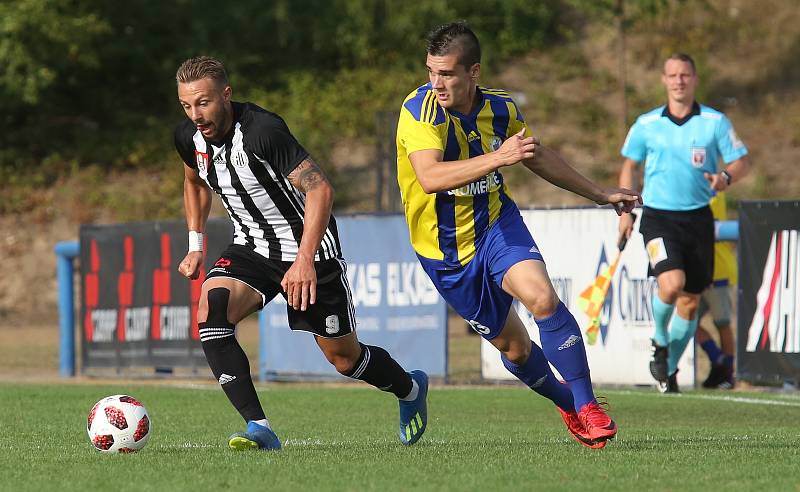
point(716, 299)
point(680, 144)
point(453, 138)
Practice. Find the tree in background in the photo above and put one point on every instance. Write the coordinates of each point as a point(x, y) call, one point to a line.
point(89, 83)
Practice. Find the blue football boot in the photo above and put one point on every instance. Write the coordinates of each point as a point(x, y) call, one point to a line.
point(256, 437)
point(414, 414)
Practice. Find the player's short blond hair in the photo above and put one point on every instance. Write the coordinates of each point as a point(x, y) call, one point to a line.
point(201, 67)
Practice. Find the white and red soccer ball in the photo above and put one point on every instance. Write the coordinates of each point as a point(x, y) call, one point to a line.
point(118, 424)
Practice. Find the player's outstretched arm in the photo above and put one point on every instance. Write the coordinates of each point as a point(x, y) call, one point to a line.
point(436, 175)
point(552, 167)
point(196, 205)
point(300, 281)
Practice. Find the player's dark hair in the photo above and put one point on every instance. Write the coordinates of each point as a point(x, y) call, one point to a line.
point(201, 67)
point(455, 37)
point(684, 58)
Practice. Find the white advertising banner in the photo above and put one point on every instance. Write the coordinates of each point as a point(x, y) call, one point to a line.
point(577, 244)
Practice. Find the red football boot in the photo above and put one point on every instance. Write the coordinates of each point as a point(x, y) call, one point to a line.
point(578, 431)
point(597, 423)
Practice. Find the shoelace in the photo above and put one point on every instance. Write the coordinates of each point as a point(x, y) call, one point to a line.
point(596, 414)
point(602, 402)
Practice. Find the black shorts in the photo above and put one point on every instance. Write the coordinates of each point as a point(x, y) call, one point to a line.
point(680, 241)
point(331, 316)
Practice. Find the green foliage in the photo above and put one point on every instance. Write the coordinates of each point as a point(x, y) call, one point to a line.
point(629, 10)
point(593, 117)
point(44, 44)
point(86, 84)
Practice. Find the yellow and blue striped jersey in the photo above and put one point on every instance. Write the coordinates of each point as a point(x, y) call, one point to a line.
point(724, 257)
point(448, 226)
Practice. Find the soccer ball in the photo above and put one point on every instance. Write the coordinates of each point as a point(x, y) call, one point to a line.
point(118, 424)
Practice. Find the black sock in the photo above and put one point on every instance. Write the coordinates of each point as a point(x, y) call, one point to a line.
point(376, 367)
point(231, 368)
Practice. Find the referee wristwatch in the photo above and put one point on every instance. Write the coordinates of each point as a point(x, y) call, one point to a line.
point(727, 176)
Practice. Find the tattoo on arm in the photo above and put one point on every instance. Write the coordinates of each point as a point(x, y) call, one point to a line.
point(307, 175)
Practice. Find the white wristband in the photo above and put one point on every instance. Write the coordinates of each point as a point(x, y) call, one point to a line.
point(195, 241)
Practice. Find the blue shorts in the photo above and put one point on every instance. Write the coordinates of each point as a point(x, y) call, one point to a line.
point(475, 290)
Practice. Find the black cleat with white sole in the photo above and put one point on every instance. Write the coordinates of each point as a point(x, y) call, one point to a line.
point(671, 384)
point(658, 364)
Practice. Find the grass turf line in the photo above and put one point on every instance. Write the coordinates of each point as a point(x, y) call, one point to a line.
point(343, 438)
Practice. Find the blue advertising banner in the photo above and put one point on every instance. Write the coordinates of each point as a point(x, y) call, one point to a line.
point(397, 307)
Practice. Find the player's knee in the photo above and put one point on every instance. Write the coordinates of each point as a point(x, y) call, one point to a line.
point(547, 306)
point(343, 363)
point(518, 357)
point(343, 360)
point(722, 323)
point(687, 306)
point(541, 301)
point(668, 292)
point(517, 353)
point(216, 306)
point(670, 285)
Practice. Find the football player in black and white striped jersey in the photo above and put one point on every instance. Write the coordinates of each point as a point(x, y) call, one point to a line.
point(285, 241)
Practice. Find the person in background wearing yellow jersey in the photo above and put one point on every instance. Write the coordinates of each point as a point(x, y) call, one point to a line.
point(716, 299)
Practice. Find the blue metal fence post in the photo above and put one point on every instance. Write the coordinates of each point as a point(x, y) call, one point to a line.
point(66, 252)
point(727, 230)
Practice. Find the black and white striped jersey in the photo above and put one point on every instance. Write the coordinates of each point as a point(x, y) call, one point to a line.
point(248, 169)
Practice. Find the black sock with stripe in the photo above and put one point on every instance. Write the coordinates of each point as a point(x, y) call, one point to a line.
point(376, 367)
point(231, 368)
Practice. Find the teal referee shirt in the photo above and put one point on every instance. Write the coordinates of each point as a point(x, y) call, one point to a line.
point(676, 153)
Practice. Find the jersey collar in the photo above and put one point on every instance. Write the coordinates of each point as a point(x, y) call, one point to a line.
point(680, 121)
point(477, 109)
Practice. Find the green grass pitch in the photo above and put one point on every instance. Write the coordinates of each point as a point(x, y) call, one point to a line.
point(344, 438)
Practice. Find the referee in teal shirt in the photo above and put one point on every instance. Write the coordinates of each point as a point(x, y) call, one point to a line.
point(680, 145)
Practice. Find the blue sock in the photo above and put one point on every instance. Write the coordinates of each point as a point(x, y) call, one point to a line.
point(679, 336)
point(728, 361)
point(712, 350)
point(562, 343)
point(662, 312)
point(536, 374)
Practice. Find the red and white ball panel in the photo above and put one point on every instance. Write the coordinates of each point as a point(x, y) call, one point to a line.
point(118, 424)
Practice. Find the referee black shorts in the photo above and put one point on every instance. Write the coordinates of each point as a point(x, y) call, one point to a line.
point(680, 240)
point(331, 316)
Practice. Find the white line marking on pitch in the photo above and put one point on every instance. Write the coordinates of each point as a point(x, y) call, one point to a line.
point(735, 399)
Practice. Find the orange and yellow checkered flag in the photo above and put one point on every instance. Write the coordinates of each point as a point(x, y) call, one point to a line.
point(591, 300)
point(593, 297)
